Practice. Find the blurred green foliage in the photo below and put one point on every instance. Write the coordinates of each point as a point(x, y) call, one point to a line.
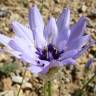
point(6, 69)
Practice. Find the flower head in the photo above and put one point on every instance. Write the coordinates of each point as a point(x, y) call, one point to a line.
point(46, 46)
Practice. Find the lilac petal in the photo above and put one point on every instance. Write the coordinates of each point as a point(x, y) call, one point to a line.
point(64, 19)
point(68, 54)
point(50, 55)
point(89, 63)
point(22, 31)
point(4, 40)
point(35, 19)
point(15, 53)
point(14, 46)
point(35, 69)
point(54, 63)
point(63, 26)
point(50, 31)
point(67, 61)
point(10, 50)
point(62, 44)
point(83, 50)
point(21, 45)
point(37, 26)
point(40, 69)
point(63, 35)
point(29, 59)
point(78, 42)
point(78, 29)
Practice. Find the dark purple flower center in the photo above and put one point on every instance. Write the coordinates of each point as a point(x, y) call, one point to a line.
point(48, 53)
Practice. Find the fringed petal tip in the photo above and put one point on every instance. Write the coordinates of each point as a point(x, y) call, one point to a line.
point(50, 31)
point(37, 26)
point(63, 20)
point(78, 29)
point(66, 12)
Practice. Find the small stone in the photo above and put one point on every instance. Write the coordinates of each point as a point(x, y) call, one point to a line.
point(67, 80)
point(27, 93)
point(92, 15)
point(14, 17)
point(95, 89)
point(34, 94)
point(28, 75)
point(3, 57)
point(10, 93)
point(3, 93)
point(27, 85)
point(83, 8)
point(17, 79)
point(3, 11)
point(7, 93)
point(55, 86)
point(90, 24)
point(16, 88)
point(7, 83)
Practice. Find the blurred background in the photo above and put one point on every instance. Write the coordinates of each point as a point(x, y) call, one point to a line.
point(68, 80)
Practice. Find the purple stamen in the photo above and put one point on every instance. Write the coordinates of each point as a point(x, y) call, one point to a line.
point(49, 53)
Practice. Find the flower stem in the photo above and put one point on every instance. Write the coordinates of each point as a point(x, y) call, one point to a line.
point(89, 81)
point(87, 84)
point(21, 83)
point(44, 89)
point(42, 5)
point(49, 88)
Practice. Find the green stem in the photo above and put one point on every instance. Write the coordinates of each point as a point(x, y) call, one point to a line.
point(49, 88)
point(42, 5)
point(21, 83)
point(87, 84)
point(44, 89)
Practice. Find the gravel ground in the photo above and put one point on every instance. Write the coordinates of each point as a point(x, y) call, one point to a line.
point(68, 79)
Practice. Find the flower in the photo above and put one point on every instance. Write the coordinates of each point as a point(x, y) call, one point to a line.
point(47, 46)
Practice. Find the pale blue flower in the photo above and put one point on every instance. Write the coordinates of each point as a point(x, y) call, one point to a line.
point(46, 46)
